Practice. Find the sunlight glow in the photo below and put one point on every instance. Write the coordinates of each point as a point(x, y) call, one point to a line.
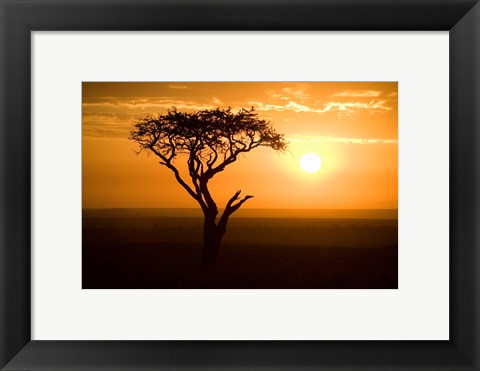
point(310, 162)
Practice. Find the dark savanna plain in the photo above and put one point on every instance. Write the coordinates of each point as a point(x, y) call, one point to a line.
point(318, 202)
point(161, 248)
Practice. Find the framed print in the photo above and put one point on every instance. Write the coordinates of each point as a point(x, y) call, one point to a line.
point(248, 185)
point(278, 256)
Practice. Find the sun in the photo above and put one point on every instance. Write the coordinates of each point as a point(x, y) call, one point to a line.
point(310, 162)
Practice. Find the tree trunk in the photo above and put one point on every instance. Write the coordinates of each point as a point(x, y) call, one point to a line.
point(212, 239)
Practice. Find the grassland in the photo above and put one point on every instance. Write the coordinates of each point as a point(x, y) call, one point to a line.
point(277, 250)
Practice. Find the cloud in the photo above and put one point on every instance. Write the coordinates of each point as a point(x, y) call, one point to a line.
point(350, 107)
point(358, 93)
point(344, 140)
point(176, 86)
point(290, 106)
point(344, 103)
point(217, 101)
point(289, 93)
point(144, 104)
point(104, 117)
point(341, 108)
point(106, 125)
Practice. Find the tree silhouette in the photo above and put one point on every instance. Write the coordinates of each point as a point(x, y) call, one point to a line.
point(208, 141)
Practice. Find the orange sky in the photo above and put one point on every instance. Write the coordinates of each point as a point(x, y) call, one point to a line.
point(353, 127)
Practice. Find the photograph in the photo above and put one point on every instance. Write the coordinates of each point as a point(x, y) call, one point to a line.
point(240, 185)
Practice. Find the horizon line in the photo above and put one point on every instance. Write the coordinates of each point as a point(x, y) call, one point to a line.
point(246, 208)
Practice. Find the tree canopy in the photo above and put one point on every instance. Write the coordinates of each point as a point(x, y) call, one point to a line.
point(210, 140)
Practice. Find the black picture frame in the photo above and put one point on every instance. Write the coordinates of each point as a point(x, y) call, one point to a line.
point(19, 17)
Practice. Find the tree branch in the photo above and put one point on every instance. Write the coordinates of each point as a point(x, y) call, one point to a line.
point(230, 208)
point(167, 162)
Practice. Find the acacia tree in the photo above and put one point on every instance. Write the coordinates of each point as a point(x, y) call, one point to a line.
point(208, 141)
